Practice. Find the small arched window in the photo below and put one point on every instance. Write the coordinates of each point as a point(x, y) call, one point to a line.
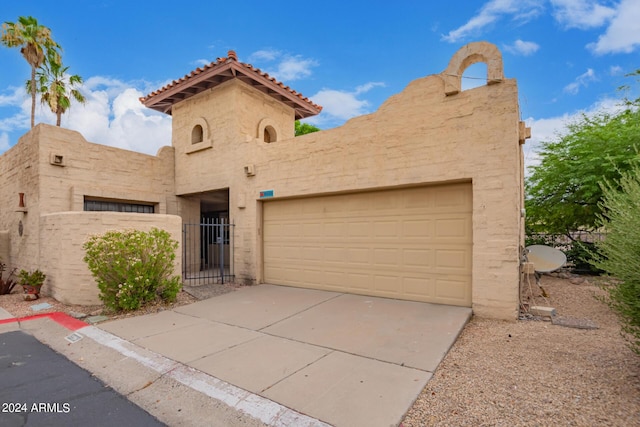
point(270, 134)
point(197, 134)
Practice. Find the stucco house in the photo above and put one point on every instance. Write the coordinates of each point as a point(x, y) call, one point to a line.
point(421, 200)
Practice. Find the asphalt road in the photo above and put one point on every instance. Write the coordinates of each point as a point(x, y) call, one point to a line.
point(39, 387)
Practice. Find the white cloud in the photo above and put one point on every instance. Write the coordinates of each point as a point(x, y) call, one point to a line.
point(367, 87)
point(293, 68)
point(582, 80)
point(521, 11)
point(616, 70)
point(120, 120)
point(264, 55)
point(287, 67)
point(521, 47)
point(112, 115)
point(201, 62)
point(4, 142)
point(339, 106)
point(14, 96)
point(111, 86)
point(581, 14)
point(623, 33)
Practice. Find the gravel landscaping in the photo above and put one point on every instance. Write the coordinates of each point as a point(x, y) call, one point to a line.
point(534, 373)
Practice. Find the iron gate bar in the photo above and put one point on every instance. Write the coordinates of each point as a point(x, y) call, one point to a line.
point(208, 252)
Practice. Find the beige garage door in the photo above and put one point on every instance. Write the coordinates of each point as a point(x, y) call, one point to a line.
point(411, 243)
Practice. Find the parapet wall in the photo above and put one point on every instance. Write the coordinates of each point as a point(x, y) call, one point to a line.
point(62, 236)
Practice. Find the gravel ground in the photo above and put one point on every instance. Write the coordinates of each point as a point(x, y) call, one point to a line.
point(524, 373)
point(533, 373)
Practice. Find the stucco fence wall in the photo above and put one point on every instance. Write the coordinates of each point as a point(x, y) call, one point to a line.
point(62, 236)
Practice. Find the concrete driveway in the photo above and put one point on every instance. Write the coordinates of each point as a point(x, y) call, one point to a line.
point(346, 360)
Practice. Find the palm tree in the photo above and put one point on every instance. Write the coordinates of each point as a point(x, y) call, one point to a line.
point(56, 87)
point(34, 41)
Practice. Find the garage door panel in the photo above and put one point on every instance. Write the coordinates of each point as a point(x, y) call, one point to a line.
point(385, 229)
point(359, 229)
point(451, 288)
point(412, 243)
point(334, 279)
point(334, 254)
point(281, 254)
point(312, 229)
point(311, 253)
point(421, 258)
point(334, 229)
point(359, 256)
point(451, 259)
point(388, 284)
point(357, 281)
point(387, 256)
point(418, 228)
point(418, 288)
point(451, 228)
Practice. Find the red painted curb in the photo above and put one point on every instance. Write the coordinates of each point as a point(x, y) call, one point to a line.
point(62, 319)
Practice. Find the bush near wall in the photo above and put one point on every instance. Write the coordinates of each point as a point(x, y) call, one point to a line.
point(133, 268)
point(620, 251)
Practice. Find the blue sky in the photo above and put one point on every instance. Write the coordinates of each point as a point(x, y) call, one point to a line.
point(568, 56)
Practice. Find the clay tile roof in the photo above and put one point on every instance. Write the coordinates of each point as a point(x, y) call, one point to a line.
point(220, 71)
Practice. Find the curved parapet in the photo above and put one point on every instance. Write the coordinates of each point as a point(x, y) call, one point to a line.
point(470, 54)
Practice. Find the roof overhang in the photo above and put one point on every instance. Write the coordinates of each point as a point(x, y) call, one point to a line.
point(221, 71)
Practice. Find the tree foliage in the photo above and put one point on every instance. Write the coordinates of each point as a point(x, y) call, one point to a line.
point(36, 45)
point(564, 191)
point(305, 128)
point(56, 87)
point(619, 253)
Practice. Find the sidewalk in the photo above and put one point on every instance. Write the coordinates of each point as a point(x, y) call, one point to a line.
point(169, 391)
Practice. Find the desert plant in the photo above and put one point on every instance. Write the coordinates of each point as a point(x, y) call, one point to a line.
point(31, 283)
point(6, 285)
point(34, 279)
point(132, 267)
point(620, 251)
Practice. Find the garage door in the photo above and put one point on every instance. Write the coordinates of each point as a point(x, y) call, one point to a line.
point(410, 243)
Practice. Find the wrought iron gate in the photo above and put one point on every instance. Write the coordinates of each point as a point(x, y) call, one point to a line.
point(207, 252)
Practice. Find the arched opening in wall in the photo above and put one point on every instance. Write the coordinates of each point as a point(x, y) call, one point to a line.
point(270, 134)
point(474, 76)
point(197, 134)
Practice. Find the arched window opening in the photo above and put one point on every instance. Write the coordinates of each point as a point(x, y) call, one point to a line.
point(270, 134)
point(474, 76)
point(197, 134)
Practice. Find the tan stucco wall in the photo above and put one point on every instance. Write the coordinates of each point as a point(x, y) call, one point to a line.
point(87, 169)
point(233, 113)
point(19, 174)
point(62, 236)
point(429, 133)
point(97, 170)
point(419, 136)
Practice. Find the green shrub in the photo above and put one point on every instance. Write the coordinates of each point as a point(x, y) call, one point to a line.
point(581, 254)
point(133, 267)
point(620, 251)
